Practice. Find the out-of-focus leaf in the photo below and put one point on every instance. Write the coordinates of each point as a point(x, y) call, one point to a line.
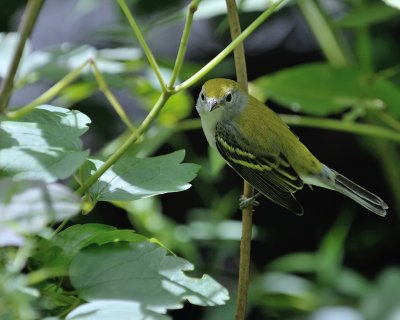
point(114, 309)
point(285, 291)
point(141, 272)
point(383, 302)
point(66, 244)
point(29, 60)
point(393, 3)
point(351, 283)
point(147, 217)
point(295, 262)
point(336, 313)
point(178, 107)
point(16, 298)
point(367, 15)
point(133, 178)
point(28, 206)
point(44, 144)
point(322, 89)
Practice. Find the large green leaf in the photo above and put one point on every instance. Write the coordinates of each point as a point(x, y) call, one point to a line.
point(114, 309)
point(322, 89)
point(141, 272)
point(66, 244)
point(133, 178)
point(44, 144)
point(28, 206)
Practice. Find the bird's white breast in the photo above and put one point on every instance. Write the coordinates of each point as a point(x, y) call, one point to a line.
point(209, 121)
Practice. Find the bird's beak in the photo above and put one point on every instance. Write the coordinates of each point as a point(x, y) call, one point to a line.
point(212, 104)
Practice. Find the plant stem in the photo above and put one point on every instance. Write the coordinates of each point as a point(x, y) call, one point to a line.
point(248, 191)
point(217, 59)
point(110, 96)
point(143, 43)
point(28, 21)
point(192, 8)
point(362, 129)
point(42, 274)
point(50, 93)
point(323, 32)
point(125, 146)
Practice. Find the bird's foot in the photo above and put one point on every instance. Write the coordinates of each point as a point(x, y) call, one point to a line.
point(245, 202)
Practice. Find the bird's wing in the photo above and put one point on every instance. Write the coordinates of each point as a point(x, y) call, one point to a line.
point(272, 175)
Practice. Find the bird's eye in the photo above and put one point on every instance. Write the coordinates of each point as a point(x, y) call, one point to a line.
point(228, 97)
point(202, 96)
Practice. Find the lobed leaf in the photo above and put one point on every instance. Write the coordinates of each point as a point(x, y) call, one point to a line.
point(133, 178)
point(65, 245)
point(44, 144)
point(141, 272)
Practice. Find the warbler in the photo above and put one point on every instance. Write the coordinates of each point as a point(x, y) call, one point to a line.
point(262, 149)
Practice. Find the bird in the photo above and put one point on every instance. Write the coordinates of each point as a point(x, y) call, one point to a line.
point(262, 149)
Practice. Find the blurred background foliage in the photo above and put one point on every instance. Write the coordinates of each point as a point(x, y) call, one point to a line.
point(337, 261)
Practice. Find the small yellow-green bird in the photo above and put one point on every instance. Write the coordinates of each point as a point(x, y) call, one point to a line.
point(262, 149)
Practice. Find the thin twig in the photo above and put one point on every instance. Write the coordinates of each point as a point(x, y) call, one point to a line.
point(143, 43)
point(247, 213)
point(50, 93)
point(222, 55)
point(28, 21)
point(125, 146)
point(192, 8)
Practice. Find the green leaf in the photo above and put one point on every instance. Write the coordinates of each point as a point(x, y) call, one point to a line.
point(133, 178)
point(285, 291)
point(114, 309)
point(28, 206)
point(65, 245)
point(141, 272)
point(295, 262)
point(383, 302)
point(44, 144)
point(321, 89)
point(367, 15)
point(178, 107)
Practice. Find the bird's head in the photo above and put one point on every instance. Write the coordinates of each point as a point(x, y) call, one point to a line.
point(221, 97)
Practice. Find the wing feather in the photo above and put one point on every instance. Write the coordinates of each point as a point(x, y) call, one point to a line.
point(272, 175)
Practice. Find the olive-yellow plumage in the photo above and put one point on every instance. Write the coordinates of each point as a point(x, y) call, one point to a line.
point(262, 149)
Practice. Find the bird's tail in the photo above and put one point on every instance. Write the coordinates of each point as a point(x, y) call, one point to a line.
point(357, 193)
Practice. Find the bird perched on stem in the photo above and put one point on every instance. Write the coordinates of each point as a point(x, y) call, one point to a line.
point(262, 149)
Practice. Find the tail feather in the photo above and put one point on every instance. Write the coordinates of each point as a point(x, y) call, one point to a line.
point(360, 195)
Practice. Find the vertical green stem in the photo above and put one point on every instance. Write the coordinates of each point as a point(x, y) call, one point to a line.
point(184, 41)
point(28, 21)
point(323, 32)
point(210, 65)
point(247, 213)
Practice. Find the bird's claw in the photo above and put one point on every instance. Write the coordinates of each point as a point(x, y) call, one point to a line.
point(245, 202)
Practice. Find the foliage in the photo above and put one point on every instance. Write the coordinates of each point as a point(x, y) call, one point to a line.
point(65, 164)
